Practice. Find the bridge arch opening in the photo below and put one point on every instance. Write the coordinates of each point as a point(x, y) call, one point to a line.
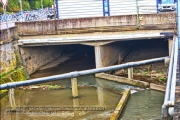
point(74, 57)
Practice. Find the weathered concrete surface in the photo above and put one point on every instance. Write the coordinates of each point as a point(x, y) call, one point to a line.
point(120, 105)
point(36, 57)
point(110, 53)
point(157, 87)
point(8, 35)
point(7, 57)
point(74, 86)
point(177, 104)
point(98, 24)
point(91, 39)
point(123, 80)
point(177, 97)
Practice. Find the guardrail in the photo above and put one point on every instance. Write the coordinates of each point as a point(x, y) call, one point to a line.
point(168, 106)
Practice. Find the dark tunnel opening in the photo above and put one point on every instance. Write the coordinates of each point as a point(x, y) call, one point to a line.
point(82, 57)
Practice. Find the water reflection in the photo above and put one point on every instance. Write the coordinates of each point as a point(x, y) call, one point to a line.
point(44, 104)
point(144, 104)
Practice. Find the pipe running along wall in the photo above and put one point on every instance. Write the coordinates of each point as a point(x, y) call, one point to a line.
point(76, 73)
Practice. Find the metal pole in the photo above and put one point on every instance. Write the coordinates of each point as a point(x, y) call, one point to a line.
point(168, 87)
point(178, 22)
point(173, 83)
point(78, 73)
point(137, 14)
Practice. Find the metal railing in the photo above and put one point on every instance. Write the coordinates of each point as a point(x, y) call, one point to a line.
point(78, 73)
point(168, 106)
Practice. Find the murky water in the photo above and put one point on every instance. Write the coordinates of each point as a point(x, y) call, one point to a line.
point(102, 100)
point(142, 105)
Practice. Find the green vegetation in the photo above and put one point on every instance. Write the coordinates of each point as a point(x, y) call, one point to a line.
point(162, 79)
point(14, 75)
point(14, 5)
point(136, 71)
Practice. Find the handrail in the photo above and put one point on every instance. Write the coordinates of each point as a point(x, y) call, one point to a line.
point(76, 73)
point(171, 82)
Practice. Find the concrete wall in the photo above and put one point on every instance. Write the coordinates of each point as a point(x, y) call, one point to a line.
point(8, 35)
point(7, 57)
point(112, 23)
point(36, 57)
point(111, 53)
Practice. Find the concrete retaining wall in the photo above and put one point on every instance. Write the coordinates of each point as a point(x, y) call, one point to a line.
point(8, 35)
point(36, 57)
point(7, 57)
point(114, 51)
point(112, 23)
point(157, 87)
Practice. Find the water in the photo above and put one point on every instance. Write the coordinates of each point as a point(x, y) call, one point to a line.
point(144, 105)
point(94, 96)
point(141, 105)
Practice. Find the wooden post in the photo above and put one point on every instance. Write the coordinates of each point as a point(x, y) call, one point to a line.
point(74, 87)
point(130, 73)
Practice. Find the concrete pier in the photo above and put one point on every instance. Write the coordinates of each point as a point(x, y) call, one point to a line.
point(98, 57)
point(12, 99)
point(74, 87)
point(130, 73)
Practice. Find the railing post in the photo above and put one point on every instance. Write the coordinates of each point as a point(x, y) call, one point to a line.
point(74, 87)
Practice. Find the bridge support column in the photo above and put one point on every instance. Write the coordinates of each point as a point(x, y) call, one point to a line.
point(12, 99)
point(98, 56)
point(170, 45)
point(130, 73)
point(74, 87)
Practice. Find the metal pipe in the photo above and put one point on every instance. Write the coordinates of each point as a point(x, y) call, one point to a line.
point(173, 83)
point(76, 73)
point(178, 22)
point(167, 94)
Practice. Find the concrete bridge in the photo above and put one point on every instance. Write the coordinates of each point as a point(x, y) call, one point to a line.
point(107, 36)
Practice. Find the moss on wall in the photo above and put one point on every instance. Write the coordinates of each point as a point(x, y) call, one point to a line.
point(15, 75)
point(19, 62)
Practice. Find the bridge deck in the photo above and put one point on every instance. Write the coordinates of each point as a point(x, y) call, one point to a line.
point(89, 37)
